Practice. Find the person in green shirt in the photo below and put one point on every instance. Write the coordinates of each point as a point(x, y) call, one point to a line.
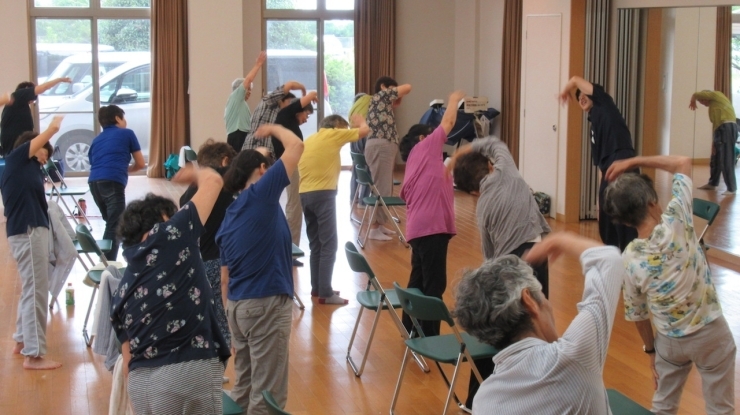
point(237, 116)
point(724, 124)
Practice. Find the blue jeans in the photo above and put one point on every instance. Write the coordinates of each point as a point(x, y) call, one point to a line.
point(110, 197)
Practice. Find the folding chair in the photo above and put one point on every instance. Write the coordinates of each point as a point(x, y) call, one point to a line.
point(708, 211)
point(89, 245)
point(297, 253)
point(622, 405)
point(191, 156)
point(272, 407)
point(229, 406)
point(375, 199)
point(64, 190)
point(358, 159)
point(448, 348)
point(377, 299)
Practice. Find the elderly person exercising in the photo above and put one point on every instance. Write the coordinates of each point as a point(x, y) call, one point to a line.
point(669, 284)
point(501, 303)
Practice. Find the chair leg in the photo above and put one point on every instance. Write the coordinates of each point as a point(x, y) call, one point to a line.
point(83, 213)
point(88, 338)
point(395, 215)
point(419, 359)
point(400, 379)
point(352, 338)
point(359, 231)
point(369, 342)
point(298, 302)
point(352, 205)
point(367, 231)
point(398, 229)
point(452, 384)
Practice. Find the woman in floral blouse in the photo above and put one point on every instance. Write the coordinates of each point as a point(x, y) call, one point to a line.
point(163, 312)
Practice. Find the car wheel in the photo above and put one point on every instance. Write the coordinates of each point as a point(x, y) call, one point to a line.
point(74, 147)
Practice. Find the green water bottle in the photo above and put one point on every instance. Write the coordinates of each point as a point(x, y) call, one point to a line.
point(69, 294)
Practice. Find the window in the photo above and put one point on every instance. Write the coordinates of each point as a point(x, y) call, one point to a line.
point(293, 29)
point(735, 62)
point(67, 47)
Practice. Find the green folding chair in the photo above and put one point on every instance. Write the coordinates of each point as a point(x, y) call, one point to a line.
point(297, 253)
point(377, 299)
point(708, 211)
point(358, 159)
point(445, 348)
point(89, 245)
point(63, 190)
point(272, 407)
point(622, 405)
point(376, 200)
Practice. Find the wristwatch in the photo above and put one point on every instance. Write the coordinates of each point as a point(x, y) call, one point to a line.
point(651, 351)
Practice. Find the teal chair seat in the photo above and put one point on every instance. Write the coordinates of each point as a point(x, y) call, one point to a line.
point(370, 299)
point(105, 245)
point(229, 406)
point(446, 348)
point(297, 252)
point(622, 405)
point(389, 201)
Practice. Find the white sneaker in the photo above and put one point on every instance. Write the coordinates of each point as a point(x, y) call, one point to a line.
point(386, 230)
point(378, 235)
point(728, 192)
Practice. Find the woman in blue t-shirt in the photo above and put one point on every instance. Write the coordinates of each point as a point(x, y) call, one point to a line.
point(256, 266)
point(163, 312)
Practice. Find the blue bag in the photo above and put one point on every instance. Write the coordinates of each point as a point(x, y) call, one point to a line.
point(171, 166)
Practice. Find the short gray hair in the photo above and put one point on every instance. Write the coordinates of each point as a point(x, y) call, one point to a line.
point(626, 199)
point(334, 121)
point(236, 83)
point(489, 300)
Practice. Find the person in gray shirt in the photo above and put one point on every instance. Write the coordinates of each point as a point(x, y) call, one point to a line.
point(537, 371)
point(508, 217)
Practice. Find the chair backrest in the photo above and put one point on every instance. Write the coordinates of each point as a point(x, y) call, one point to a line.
point(272, 407)
point(358, 263)
point(190, 155)
point(706, 210)
point(49, 168)
point(358, 159)
point(423, 307)
point(87, 242)
point(363, 176)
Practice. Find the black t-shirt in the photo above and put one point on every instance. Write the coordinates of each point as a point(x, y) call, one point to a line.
point(287, 118)
point(22, 186)
point(208, 247)
point(610, 137)
point(16, 118)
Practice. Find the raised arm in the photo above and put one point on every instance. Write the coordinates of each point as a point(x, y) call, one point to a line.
point(249, 77)
point(671, 164)
point(293, 86)
point(40, 89)
point(448, 120)
point(209, 184)
point(293, 145)
point(585, 86)
point(705, 96)
point(308, 98)
point(404, 90)
point(358, 121)
point(5, 99)
point(38, 142)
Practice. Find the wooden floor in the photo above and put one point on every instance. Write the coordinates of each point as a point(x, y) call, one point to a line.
point(320, 380)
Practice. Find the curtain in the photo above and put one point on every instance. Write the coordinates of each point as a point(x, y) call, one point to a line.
point(170, 105)
point(375, 42)
point(511, 76)
point(723, 57)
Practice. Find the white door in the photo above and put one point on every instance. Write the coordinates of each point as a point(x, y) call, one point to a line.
point(538, 158)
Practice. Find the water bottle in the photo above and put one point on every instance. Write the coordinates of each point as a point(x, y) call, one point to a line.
point(69, 294)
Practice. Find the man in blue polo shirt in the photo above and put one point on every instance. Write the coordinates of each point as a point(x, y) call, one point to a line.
point(110, 154)
point(27, 228)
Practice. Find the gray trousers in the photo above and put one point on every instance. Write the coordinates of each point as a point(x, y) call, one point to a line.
point(723, 156)
point(381, 159)
point(31, 253)
point(320, 210)
point(62, 252)
point(293, 212)
point(712, 350)
point(260, 335)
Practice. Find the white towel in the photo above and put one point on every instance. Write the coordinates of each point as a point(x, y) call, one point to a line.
point(119, 402)
point(181, 162)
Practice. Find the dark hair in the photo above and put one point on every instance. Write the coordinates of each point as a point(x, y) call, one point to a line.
point(626, 199)
point(107, 115)
point(212, 152)
point(28, 136)
point(25, 84)
point(334, 121)
point(241, 169)
point(384, 80)
point(308, 108)
point(411, 139)
point(141, 216)
point(288, 95)
point(470, 169)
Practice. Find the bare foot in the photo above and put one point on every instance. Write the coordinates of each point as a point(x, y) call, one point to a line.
point(40, 363)
point(18, 347)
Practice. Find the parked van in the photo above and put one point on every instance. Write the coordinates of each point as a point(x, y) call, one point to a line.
point(128, 86)
point(50, 55)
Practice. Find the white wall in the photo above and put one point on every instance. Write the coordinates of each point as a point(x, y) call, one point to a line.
point(562, 7)
point(15, 61)
point(216, 58)
point(666, 87)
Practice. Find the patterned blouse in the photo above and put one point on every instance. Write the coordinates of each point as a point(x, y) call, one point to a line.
point(667, 273)
point(380, 116)
point(164, 304)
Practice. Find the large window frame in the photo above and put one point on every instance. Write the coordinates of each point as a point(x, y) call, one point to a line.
point(320, 16)
point(93, 13)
